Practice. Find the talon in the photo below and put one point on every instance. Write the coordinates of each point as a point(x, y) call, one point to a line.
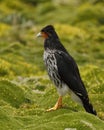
point(51, 109)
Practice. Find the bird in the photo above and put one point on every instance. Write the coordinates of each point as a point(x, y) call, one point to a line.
point(63, 70)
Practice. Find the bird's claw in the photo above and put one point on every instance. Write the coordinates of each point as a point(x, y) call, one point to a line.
point(54, 108)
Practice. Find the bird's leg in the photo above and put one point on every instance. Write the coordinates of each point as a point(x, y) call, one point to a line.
point(57, 105)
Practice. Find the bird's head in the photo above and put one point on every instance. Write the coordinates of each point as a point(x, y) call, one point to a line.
point(47, 32)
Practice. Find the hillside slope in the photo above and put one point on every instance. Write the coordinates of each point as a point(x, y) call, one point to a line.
point(25, 89)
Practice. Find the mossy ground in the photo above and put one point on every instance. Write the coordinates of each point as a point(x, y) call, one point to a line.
point(25, 89)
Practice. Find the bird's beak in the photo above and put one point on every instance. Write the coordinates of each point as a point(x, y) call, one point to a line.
point(39, 34)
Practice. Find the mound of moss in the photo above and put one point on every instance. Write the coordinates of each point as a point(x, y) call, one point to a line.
point(33, 115)
point(7, 121)
point(11, 93)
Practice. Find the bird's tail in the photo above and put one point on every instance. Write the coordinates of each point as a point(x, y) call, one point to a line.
point(88, 107)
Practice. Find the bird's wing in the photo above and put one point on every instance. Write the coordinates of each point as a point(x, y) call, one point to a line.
point(69, 73)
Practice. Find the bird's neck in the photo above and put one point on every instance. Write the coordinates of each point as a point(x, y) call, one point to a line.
point(53, 44)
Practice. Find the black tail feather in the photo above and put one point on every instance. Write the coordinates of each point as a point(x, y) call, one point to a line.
point(89, 108)
point(87, 105)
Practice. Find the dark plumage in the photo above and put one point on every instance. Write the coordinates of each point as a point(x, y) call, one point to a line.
point(63, 71)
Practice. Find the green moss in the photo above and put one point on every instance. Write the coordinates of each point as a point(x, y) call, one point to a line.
point(5, 68)
point(11, 93)
point(7, 121)
point(91, 12)
point(25, 89)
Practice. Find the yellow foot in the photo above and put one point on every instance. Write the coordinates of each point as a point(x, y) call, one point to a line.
point(53, 108)
point(57, 105)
